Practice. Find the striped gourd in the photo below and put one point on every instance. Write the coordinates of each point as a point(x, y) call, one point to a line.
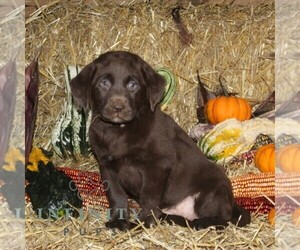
point(69, 136)
point(231, 138)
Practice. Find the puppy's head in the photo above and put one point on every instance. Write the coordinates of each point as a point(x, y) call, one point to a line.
point(116, 85)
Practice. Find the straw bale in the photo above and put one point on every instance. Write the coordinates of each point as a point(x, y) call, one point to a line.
point(235, 42)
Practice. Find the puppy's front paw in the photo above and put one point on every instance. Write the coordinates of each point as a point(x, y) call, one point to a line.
point(122, 225)
point(148, 217)
point(148, 221)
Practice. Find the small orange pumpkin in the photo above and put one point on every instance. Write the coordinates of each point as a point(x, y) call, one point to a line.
point(288, 158)
point(296, 217)
point(265, 158)
point(226, 107)
point(271, 216)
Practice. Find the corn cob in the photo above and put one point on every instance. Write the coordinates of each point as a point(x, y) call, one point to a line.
point(247, 157)
point(254, 192)
point(258, 204)
point(94, 200)
point(284, 140)
point(91, 188)
point(249, 191)
point(86, 182)
point(261, 140)
point(254, 185)
point(286, 205)
point(284, 186)
point(287, 184)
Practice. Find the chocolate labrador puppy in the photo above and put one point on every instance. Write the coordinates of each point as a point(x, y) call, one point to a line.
point(144, 154)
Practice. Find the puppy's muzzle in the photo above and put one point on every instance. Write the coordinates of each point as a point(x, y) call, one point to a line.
point(118, 110)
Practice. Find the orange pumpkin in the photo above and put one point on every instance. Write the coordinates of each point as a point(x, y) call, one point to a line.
point(265, 158)
point(296, 217)
point(271, 216)
point(226, 107)
point(288, 158)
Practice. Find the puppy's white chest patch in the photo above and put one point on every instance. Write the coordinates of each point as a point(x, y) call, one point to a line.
point(185, 208)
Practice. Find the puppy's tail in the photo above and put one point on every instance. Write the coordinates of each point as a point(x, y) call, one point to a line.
point(240, 216)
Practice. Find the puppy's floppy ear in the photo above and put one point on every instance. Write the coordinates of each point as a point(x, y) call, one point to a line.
point(155, 85)
point(81, 85)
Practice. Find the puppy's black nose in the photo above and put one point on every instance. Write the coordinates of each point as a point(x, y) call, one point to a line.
point(118, 107)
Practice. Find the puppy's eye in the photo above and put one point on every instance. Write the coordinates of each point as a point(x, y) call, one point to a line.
point(132, 85)
point(105, 83)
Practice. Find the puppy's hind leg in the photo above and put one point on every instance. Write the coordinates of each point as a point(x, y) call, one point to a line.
point(213, 208)
point(195, 224)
